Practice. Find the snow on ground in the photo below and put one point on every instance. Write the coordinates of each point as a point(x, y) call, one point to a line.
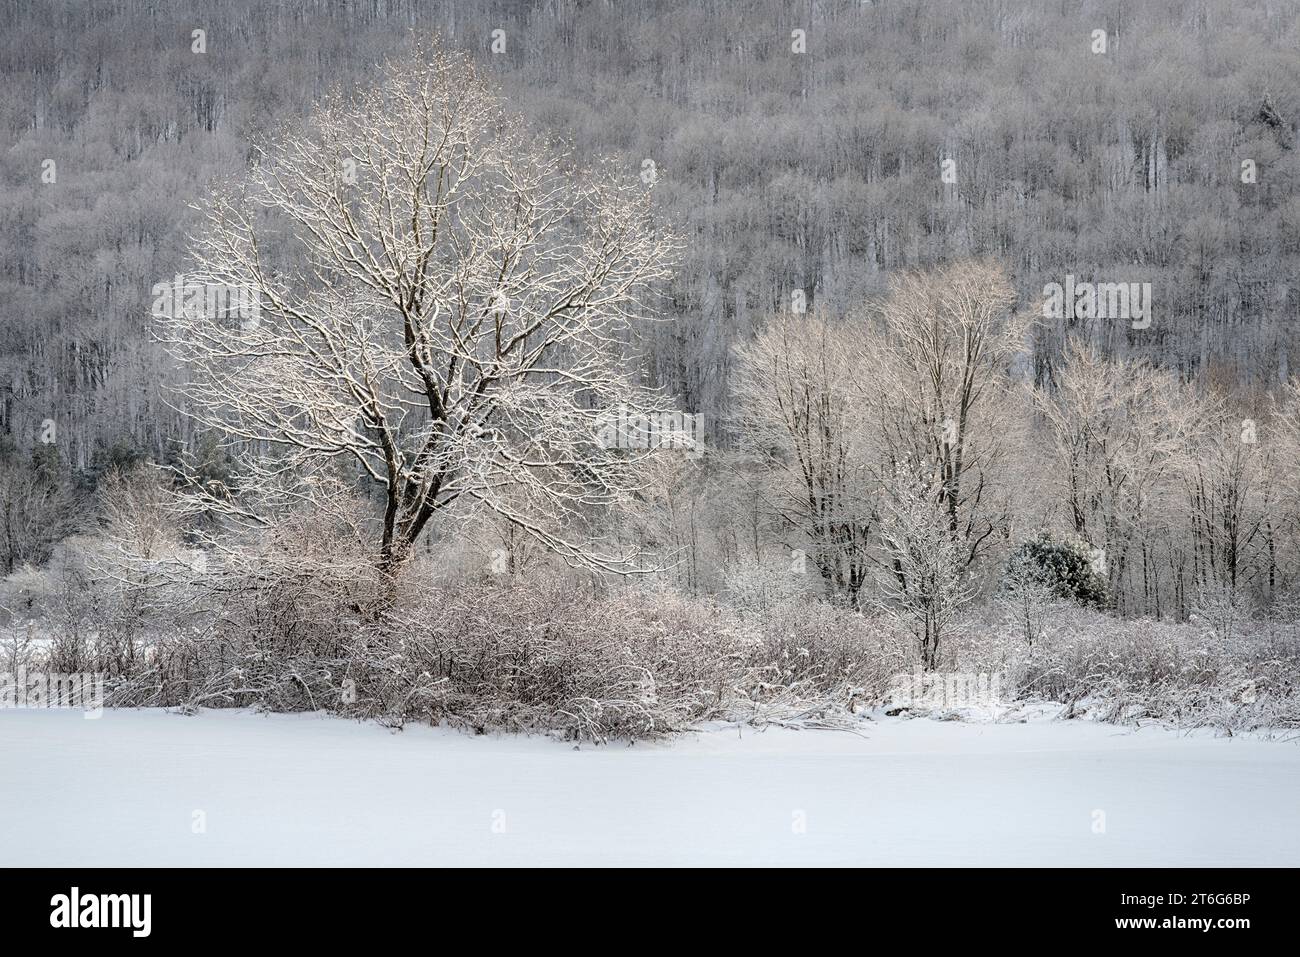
point(128, 789)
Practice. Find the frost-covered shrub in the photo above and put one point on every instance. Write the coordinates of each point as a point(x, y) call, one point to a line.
point(1187, 674)
point(561, 657)
point(1223, 610)
point(834, 650)
point(546, 656)
point(758, 586)
point(296, 618)
point(267, 620)
point(1068, 568)
point(301, 630)
point(91, 608)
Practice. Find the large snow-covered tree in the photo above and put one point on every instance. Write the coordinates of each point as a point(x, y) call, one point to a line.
point(430, 292)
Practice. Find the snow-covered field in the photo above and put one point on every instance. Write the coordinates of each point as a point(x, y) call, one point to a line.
point(229, 788)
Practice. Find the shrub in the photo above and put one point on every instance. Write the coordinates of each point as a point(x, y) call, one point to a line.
point(296, 619)
point(1067, 568)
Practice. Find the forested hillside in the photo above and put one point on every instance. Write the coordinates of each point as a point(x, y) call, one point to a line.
point(809, 161)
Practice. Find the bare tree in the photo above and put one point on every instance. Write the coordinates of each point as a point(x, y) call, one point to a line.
point(138, 512)
point(928, 584)
point(938, 382)
point(1118, 434)
point(1025, 599)
point(437, 297)
point(34, 515)
point(1228, 498)
point(1282, 520)
point(798, 411)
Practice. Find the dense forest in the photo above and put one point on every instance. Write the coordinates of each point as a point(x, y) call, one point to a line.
point(806, 155)
point(810, 162)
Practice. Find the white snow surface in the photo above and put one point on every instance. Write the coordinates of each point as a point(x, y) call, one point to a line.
point(225, 788)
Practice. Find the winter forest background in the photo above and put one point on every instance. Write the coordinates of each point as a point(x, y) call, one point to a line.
point(897, 461)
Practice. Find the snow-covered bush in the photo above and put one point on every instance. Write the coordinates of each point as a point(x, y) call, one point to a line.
point(1068, 568)
point(758, 586)
point(295, 625)
point(836, 651)
point(547, 656)
point(1025, 602)
point(296, 617)
point(1186, 674)
point(1225, 611)
point(563, 657)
